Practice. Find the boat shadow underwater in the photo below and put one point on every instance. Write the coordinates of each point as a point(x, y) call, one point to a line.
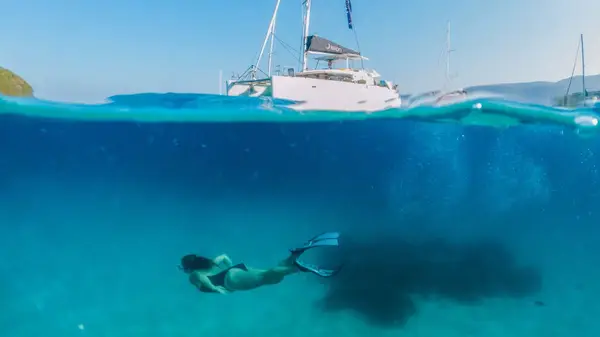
point(383, 277)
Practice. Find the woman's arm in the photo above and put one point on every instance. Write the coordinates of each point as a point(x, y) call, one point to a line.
point(224, 259)
point(202, 281)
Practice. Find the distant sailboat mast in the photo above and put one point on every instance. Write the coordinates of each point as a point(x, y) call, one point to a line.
point(584, 92)
point(220, 82)
point(449, 51)
point(583, 71)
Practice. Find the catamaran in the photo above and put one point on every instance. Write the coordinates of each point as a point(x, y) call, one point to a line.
point(327, 88)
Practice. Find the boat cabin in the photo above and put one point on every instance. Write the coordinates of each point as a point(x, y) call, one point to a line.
point(330, 54)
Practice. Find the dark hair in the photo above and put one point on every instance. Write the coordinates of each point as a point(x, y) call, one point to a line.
point(192, 262)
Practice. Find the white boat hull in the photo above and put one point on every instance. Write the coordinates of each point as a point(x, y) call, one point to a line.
point(249, 88)
point(320, 94)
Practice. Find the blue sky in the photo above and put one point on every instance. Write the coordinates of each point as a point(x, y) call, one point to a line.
point(87, 50)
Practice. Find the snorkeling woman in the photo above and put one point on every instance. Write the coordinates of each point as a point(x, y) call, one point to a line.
point(220, 275)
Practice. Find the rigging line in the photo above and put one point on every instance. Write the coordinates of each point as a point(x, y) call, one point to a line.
point(266, 75)
point(288, 48)
point(362, 62)
point(573, 71)
point(286, 44)
point(352, 26)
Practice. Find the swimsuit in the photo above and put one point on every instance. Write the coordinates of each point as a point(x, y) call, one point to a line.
point(218, 280)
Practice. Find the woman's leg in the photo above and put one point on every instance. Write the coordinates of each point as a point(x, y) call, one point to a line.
point(239, 279)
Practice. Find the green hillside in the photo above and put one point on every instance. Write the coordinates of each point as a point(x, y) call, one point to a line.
point(12, 84)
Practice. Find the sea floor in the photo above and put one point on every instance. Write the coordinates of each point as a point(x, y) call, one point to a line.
point(87, 259)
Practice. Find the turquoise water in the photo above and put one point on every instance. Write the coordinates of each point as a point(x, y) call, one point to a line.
point(449, 228)
point(477, 109)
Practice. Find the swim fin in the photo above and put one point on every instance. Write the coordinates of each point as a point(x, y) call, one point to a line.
point(307, 267)
point(325, 239)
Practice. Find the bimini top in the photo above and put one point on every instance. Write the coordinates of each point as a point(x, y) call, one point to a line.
point(329, 49)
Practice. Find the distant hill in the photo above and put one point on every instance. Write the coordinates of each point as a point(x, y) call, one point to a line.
point(539, 92)
point(12, 84)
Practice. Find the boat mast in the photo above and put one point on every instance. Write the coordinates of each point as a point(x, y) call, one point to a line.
point(269, 68)
point(583, 70)
point(267, 37)
point(220, 82)
point(566, 98)
point(448, 51)
point(306, 24)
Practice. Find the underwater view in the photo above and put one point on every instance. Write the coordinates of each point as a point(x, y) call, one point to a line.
point(242, 168)
point(444, 229)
